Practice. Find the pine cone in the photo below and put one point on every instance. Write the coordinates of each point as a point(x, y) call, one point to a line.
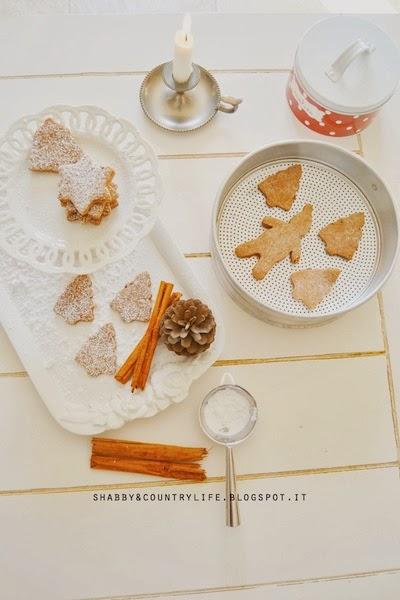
point(188, 327)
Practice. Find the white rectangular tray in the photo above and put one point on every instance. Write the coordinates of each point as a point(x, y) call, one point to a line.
point(47, 345)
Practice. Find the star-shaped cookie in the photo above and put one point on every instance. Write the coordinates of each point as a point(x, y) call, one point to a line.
point(84, 184)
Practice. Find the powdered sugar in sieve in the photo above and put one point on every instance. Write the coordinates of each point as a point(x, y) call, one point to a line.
point(332, 195)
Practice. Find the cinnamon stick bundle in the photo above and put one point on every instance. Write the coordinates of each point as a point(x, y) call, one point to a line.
point(162, 460)
point(146, 451)
point(137, 366)
point(143, 364)
point(186, 471)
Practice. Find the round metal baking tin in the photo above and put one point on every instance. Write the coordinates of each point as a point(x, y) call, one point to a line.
point(337, 183)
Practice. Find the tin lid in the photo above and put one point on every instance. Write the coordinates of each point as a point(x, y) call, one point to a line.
point(348, 64)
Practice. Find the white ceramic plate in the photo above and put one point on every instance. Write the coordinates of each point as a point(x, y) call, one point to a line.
point(33, 226)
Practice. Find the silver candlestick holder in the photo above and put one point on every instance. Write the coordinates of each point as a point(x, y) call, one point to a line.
point(183, 106)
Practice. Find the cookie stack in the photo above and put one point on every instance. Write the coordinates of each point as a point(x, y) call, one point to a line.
point(86, 189)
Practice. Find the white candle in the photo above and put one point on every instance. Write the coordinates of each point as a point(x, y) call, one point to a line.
point(183, 53)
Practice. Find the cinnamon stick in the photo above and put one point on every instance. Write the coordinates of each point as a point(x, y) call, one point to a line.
point(153, 339)
point(146, 451)
point(175, 297)
point(143, 369)
point(146, 339)
point(137, 366)
point(186, 471)
point(125, 372)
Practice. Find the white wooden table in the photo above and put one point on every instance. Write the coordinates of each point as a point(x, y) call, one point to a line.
point(327, 396)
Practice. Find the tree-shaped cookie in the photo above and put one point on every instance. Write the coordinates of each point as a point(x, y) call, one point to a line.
point(52, 147)
point(280, 189)
point(98, 353)
point(134, 301)
point(278, 241)
point(311, 286)
point(342, 237)
point(76, 302)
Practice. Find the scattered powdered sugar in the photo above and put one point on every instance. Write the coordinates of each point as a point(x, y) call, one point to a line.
point(226, 413)
point(52, 147)
point(83, 183)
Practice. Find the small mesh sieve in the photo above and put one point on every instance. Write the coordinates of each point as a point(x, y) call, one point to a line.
point(333, 194)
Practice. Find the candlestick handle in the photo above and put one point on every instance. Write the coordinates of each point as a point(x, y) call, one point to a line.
point(229, 104)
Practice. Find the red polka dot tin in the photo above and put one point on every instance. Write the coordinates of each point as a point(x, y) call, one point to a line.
point(345, 70)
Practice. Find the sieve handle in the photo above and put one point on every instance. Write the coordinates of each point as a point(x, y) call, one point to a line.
point(227, 379)
point(231, 503)
point(337, 68)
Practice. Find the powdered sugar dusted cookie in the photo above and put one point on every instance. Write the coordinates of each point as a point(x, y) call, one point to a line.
point(98, 353)
point(76, 302)
point(280, 240)
point(311, 286)
point(280, 189)
point(95, 215)
point(97, 211)
point(52, 147)
point(84, 184)
point(134, 301)
point(342, 237)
